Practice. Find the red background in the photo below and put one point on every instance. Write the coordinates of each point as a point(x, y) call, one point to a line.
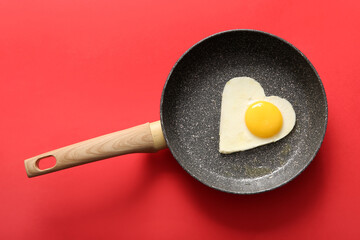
point(71, 70)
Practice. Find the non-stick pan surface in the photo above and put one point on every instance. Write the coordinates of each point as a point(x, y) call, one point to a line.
point(191, 104)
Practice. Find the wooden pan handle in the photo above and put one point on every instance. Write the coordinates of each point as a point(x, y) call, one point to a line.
point(140, 139)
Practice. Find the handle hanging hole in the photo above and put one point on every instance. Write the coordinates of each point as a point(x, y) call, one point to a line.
point(46, 162)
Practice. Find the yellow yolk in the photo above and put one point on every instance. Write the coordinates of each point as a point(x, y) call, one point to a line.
point(263, 119)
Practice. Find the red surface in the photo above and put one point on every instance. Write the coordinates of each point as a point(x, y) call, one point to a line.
point(72, 70)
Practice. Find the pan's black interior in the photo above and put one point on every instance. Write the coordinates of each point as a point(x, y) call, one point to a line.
point(191, 101)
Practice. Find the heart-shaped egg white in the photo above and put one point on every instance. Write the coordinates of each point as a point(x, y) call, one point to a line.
point(238, 94)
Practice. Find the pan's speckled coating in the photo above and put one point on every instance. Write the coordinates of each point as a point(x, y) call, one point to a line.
point(191, 101)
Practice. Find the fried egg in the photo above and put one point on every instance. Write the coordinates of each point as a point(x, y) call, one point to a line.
point(250, 119)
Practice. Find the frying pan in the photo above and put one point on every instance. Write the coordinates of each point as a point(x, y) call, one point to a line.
point(190, 116)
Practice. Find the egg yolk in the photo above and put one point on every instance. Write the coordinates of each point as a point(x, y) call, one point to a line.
point(263, 119)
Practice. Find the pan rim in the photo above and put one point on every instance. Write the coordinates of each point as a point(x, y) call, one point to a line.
point(311, 158)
